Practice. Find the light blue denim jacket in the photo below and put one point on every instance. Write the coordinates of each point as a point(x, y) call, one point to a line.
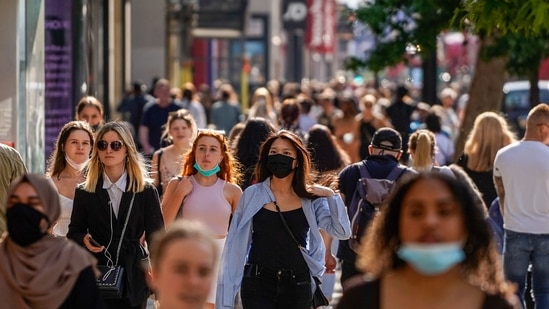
point(327, 213)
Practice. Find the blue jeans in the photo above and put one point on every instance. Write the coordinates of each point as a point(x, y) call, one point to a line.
point(521, 250)
point(269, 289)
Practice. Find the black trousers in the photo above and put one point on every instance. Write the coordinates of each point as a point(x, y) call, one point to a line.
point(264, 288)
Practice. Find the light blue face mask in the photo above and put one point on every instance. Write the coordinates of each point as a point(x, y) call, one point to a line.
point(207, 173)
point(432, 259)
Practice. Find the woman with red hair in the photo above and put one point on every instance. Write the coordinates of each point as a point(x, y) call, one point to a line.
point(207, 189)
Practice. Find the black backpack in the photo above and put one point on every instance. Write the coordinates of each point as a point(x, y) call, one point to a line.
point(369, 196)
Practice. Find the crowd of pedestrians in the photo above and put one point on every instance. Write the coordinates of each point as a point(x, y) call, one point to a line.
point(207, 205)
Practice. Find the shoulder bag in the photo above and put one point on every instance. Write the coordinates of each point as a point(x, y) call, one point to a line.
point(111, 281)
point(318, 297)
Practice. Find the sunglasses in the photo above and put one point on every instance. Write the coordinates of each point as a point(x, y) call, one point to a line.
point(115, 145)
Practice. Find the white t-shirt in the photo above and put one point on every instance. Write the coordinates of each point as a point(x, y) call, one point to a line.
point(524, 169)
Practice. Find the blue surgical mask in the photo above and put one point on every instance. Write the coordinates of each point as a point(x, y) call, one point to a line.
point(207, 173)
point(432, 259)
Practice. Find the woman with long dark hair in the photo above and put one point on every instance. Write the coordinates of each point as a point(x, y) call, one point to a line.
point(274, 247)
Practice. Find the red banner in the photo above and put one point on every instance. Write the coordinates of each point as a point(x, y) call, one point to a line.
point(321, 26)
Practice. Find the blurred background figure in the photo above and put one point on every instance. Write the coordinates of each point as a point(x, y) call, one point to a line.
point(430, 247)
point(400, 113)
point(346, 128)
point(37, 269)
point(226, 112)
point(369, 120)
point(489, 134)
point(326, 101)
point(248, 143)
point(66, 167)
point(289, 117)
point(444, 152)
point(262, 106)
point(189, 248)
point(90, 110)
point(190, 102)
point(166, 163)
point(131, 107)
point(155, 116)
point(449, 118)
point(422, 146)
point(326, 155)
point(233, 135)
point(306, 121)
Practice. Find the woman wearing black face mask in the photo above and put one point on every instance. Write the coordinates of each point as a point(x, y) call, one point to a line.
point(275, 231)
point(38, 270)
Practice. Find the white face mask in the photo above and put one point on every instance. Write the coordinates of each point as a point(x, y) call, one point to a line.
point(76, 166)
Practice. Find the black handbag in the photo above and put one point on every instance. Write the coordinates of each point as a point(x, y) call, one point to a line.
point(319, 299)
point(111, 281)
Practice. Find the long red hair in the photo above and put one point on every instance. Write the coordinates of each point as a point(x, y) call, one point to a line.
point(230, 170)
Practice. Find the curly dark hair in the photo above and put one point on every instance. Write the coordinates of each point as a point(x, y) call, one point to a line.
point(326, 154)
point(303, 175)
point(254, 133)
point(481, 267)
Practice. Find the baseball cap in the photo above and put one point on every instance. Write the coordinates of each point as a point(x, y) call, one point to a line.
point(388, 139)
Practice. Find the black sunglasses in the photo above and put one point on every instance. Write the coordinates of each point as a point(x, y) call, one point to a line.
point(115, 145)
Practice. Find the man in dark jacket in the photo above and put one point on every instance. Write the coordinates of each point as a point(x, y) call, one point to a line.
point(385, 151)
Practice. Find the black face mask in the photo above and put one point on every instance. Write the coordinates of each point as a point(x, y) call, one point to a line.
point(95, 127)
point(24, 224)
point(280, 165)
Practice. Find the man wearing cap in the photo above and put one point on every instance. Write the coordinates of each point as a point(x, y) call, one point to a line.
point(385, 151)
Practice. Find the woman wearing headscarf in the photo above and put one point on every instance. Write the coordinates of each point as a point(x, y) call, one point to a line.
point(37, 269)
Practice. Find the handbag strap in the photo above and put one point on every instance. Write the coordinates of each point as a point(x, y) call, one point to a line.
point(124, 229)
point(286, 225)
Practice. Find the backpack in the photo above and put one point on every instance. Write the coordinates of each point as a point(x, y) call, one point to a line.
point(370, 194)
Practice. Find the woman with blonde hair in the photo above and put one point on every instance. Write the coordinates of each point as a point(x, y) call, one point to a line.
point(489, 134)
point(422, 146)
point(66, 166)
point(166, 163)
point(206, 190)
point(262, 106)
point(117, 198)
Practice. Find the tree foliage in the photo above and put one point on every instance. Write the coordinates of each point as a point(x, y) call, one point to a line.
point(528, 17)
point(398, 23)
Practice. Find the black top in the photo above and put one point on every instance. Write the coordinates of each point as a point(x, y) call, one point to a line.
point(367, 131)
point(365, 294)
point(272, 245)
point(84, 294)
point(483, 180)
point(400, 114)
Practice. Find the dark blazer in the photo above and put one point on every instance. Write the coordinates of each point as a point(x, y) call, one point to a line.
point(92, 214)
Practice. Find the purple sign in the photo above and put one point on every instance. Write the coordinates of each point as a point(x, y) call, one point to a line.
point(58, 68)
